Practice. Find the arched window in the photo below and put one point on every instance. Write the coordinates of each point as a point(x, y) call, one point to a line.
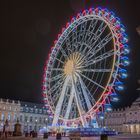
point(21, 118)
point(31, 118)
point(2, 117)
point(9, 117)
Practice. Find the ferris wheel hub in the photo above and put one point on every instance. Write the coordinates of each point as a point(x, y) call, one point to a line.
point(72, 64)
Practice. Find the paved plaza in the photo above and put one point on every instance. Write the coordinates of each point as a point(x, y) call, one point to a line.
point(119, 137)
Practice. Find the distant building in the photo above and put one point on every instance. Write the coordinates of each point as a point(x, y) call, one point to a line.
point(9, 110)
point(124, 120)
point(31, 116)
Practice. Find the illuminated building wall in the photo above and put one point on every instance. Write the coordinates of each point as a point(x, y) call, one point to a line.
point(124, 120)
point(30, 115)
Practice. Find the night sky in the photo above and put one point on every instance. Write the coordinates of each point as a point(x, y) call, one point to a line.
point(29, 29)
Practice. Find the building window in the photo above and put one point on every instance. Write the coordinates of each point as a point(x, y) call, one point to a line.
point(15, 117)
point(26, 118)
point(21, 118)
point(10, 108)
point(40, 111)
point(27, 109)
point(40, 120)
point(36, 110)
point(31, 110)
point(31, 118)
point(9, 117)
point(2, 117)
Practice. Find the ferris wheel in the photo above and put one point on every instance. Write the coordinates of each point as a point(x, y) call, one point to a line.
point(86, 67)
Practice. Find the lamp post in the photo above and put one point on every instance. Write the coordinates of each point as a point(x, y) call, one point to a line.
point(46, 121)
point(36, 125)
point(27, 125)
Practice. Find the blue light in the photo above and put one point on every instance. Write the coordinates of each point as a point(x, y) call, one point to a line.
point(101, 115)
point(124, 39)
point(99, 8)
point(126, 49)
point(123, 73)
point(108, 107)
point(118, 18)
point(125, 61)
point(118, 21)
point(106, 10)
point(112, 13)
point(119, 86)
point(114, 97)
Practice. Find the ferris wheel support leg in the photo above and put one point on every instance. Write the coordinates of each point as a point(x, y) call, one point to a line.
point(85, 94)
point(84, 122)
point(60, 102)
point(69, 105)
point(79, 104)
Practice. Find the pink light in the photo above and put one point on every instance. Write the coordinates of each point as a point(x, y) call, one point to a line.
point(67, 24)
point(58, 36)
point(63, 29)
point(78, 15)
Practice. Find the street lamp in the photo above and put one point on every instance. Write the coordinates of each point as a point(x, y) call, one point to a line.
point(36, 125)
point(27, 125)
point(46, 121)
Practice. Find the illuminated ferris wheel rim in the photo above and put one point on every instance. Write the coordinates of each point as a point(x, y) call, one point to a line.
point(65, 33)
point(85, 16)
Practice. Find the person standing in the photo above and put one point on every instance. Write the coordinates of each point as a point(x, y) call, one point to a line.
point(5, 129)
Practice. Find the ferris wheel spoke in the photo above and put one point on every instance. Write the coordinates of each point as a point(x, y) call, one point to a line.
point(103, 43)
point(69, 46)
point(56, 87)
point(100, 58)
point(63, 52)
point(58, 76)
point(59, 60)
point(82, 31)
point(99, 48)
point(98, 34)
point(91, 29)
point(57, 84)
point(56, 69)
point(60, 101)
point(56, 97)
point(74, 36)
point(93, 50)
point(93, 82)
point(96, 70)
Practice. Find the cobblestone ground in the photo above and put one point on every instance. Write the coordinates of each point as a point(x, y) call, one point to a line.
point(119, 137)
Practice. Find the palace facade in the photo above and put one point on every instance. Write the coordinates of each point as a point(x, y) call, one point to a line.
point(126, 120)
point(34, 117)
point(31, 116)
